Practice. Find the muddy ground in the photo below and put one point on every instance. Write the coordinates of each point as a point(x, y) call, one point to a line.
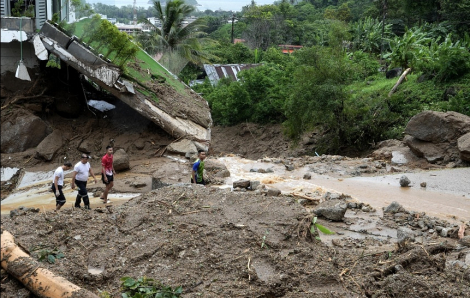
point(218, 243)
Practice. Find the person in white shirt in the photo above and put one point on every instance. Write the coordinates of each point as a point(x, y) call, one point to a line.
point(58, 184)
point(81, 171)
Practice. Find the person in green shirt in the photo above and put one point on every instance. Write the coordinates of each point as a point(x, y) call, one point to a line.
point(198, 168)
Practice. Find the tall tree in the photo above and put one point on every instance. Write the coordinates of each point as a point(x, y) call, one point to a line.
point(175, 42)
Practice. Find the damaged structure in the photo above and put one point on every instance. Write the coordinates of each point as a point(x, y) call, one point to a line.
point(168, 102)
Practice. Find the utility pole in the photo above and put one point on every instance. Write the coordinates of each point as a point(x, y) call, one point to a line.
point(233, 19)
point(135, 14)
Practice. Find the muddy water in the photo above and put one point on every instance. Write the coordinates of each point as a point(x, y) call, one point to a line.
point(447, 194)
point(33, 191)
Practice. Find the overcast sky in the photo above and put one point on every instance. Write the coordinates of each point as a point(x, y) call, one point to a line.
point(235, 5)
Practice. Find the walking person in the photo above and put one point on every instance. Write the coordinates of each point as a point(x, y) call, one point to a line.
point(198, 168)
point(58, 184)
point(107, 173)
point(81, 171)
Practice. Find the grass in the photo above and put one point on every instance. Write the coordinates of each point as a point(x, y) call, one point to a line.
point(144, 61)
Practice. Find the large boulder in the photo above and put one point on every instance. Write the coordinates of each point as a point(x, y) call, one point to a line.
point(438, 127)
point(50, 145)
point(430, 151)
point(182, 147)
point(463, 144)
point(24, 132)
point(121, 160)
point(86, 146)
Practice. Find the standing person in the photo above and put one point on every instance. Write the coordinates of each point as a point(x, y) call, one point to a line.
point(107, 173)
point(58, 183)
point(81, 171)
point(198, 168)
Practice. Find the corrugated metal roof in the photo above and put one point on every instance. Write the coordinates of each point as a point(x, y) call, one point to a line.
point(217, 71)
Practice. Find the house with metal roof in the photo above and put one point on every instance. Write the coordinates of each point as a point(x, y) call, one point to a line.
point(215, 72)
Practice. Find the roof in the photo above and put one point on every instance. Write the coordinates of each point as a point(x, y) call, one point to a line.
point(217, 71)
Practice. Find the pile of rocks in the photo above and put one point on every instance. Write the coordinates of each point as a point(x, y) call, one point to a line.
point(255, 186)
point(22, 211)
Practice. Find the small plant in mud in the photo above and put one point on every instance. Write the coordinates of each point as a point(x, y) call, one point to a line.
point(315, 227)
point(147, 288)
point(263, 244)
point(50, 255)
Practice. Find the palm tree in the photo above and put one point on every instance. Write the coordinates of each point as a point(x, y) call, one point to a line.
point(175, 43)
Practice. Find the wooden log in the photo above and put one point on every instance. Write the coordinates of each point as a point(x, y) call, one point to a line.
point(402, 77)
point(40, 281)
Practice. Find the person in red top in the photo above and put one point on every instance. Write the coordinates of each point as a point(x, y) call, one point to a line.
point(107, 173)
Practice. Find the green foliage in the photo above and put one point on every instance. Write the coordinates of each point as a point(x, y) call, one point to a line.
point(315, 227)
point(367, 35)
point(20, 9)
point(147, 288)
point(368, 65)
point(53, 62)
point(50, 255)
point(410, 49)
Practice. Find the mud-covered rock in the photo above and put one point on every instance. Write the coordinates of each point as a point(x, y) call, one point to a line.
point(394, 207)
point(182, 147)
point(121, 160)
point(438, 127)
point(243, 183)
point(50, 145)
point(463, 144)
point(24, 132)
point(404, 181)
point(86, 146)
point(332, 210)
point(273, 192)
point(404, 234)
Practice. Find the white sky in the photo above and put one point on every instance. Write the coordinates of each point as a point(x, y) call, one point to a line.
point(235, 5)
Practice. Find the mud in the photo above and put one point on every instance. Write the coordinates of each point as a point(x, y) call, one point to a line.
point(218, 243)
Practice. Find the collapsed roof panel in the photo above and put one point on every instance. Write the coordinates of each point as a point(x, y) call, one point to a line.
point(152, 91)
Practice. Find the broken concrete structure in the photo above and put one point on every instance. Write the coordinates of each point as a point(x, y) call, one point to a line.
point(173, 106)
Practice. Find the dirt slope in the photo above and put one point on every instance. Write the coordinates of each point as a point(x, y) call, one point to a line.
point(217, 243)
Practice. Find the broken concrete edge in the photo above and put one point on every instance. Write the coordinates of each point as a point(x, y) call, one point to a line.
point(40, 281)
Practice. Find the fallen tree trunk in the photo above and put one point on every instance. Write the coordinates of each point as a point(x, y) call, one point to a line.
point(40, 281)
point(402, 77)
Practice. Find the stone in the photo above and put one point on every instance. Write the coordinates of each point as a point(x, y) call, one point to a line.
point(50, 145)
point(121, 160)
point(86, 146)
point(331, 196)
point(24, 132)
point(352, 205)
point(432, 152)
point(139, 144)
point(138, 184)
point(243, 183)
point(366, 209)
point(465, 241)
point(404, 234)
point(273, 192)
point(289, 167)
point(182, 147)
point(394, 207)
point(332, 210)
point(423, 184)
point(438, 127)
point(404, 181)
point(223, 174)
point(394, 72)
point(463, 144)
point(14, 213)
point(254, 184)
point(262, 171)
point(269, 170)
point(307, 176)
point(254, 170)
point(444, 232)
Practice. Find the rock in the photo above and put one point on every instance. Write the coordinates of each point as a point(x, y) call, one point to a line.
point(394, 207)
point(182, 147)
point(97, 194)
point(14, 213)
point(50, 145)
point(404, 181)
point(269, 170)
point(332, 210)
point(463, 144)
point(223, 174)
point(138, 184)
point(254, 170)
point(352, 205)
point(394, 72)
point(430, 151)
point(404, 234)
point(273, 192)
point(366, 209)
point(121, 160)
point(308, 176)
point(86, 146)
point(192, 156)
point(331, 196)
point(465, 241)
point(262, 171)
point(254, 184)
point(24, 132)
point(243, 183)
point(423, 184)
point(289, 167)
point(139, 144)
point(438, 127)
